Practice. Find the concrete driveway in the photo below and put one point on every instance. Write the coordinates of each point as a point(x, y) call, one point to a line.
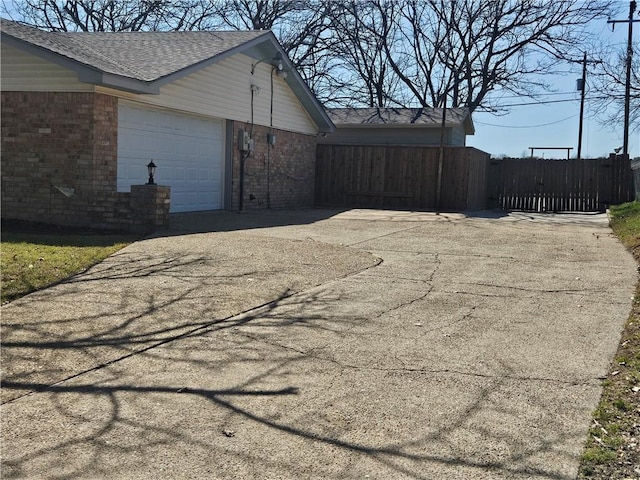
point(320, 344)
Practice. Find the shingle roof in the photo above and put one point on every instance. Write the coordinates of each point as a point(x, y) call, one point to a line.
point(141, 62)
point(397, 116)
point(144, 56)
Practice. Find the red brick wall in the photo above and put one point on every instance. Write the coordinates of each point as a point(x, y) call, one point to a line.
point(69, 140)
point(53, 139)
point(281, 176)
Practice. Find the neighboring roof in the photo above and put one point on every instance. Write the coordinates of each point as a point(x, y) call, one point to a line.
point(142, 62)
point(401, 117)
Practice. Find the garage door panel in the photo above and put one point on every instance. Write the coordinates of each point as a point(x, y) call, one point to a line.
point(187, 149)
point(179, 198)
point(192, 198)
point(178, 175)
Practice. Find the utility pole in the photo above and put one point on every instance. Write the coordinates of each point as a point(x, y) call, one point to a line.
point(582, 89)
point(582, 84)
point(627, 87)
point(441, 156)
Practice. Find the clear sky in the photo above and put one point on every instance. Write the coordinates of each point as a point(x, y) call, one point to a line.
point(556, 124)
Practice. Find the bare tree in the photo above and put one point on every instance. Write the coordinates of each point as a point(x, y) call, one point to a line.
point(130, 15)
point(188, 15)
point(92, 15)
point(360, 35)
point(257, 14)
point(373, 52)
point(463, 50)
point(302, 28)
point(607, 89)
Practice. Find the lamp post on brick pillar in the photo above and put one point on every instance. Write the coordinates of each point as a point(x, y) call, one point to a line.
point(151, 167)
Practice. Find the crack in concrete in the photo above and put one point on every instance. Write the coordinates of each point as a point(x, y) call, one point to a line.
point(526, 289)
point(534, 291)
point(404, 304)
point(591, 382)
point(417, 299)
point(383, 236)
point(486, 295)
point(237, 319)
point(438, 264)
point(471, 255)
point(395, 277)
point(313, 353)
point(304, 353)
point(445, 254)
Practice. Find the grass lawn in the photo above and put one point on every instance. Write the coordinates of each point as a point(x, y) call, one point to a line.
point(613, 447)
point(30, 261)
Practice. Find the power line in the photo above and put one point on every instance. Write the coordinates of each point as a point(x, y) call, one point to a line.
point(526, 126)
point(540, 95)
point(541, 102)
point(546, 102)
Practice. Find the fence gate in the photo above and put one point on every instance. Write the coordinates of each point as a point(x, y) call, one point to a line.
point(541, 185)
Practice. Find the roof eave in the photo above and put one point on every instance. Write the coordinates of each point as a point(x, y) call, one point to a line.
point(462, 119)
point(396, 125)
point(264, 45)
point(300, 88)
point(124, 83)
point(311, 104)
point(172, 77)
point(85, 73)
point(469, 127)
point(260, 47)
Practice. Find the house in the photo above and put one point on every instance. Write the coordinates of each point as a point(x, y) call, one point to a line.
point(224, 116)
point(399, 126)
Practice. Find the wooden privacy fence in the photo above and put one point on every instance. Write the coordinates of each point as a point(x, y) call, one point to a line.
point(540, 185)
point(400, 177)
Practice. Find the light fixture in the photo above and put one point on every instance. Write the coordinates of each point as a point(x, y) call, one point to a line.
point(281, 73)
point(276, 62)
point(151, 168)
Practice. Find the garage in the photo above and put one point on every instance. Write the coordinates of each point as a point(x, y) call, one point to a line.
point(188, 151)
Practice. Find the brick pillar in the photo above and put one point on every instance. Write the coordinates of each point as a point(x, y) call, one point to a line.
point(150, 207)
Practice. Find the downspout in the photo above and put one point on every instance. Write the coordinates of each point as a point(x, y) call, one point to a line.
point(270, 143)
point(243, 157)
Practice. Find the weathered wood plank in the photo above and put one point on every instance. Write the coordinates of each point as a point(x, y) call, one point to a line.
point(406, 177)
point(564, 185)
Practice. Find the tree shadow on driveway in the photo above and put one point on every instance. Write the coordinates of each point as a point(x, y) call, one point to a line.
point(229, 399)
point(147, 367)
point(282, 412)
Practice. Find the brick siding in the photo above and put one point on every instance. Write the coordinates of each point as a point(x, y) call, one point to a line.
point(55, 142)
point(280, 176)
point(52, 140)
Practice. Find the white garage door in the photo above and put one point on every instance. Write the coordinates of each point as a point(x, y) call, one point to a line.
point(187, 150)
